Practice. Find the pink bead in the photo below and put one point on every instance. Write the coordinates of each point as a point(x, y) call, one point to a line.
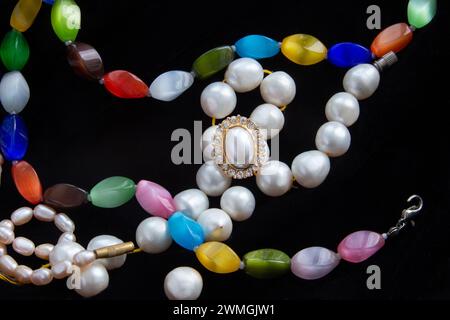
point(359, 246)
point(155, 199)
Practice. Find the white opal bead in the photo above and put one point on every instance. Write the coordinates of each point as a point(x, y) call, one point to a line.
point(14, 92)
point(278, 88)
point(244, 74)
point(64, 251)
point(192, 202)
point(314, 263)
point(62, 269)
point(208, 137)
point(362, 81)
point(239, 147)
point(333, 138)
point(23, 274)
point(42, 251)
point(311, 168)
point(7, 224)
point(105, 241)
point(23, 246)
point(238, 202)
point(342, 107)
point(269, 119)
point(84, 258)
point(274, 178)
point(41, 277)
point(3, 249)
point(94, 279)
point(218, 100)
point(183, 283)
point(8, 265)
point(152, 235)
point(64, 223)
point(67, 236)
point(169, 85)
point(211, 179)
point(216, 225)
point(21, 216)
point(44, 213)
point(6, 235)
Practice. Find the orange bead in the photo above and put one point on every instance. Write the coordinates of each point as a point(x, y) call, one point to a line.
point(27, 182)
point(393, 38)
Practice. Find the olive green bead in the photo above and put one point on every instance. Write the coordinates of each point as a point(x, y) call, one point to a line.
point(66, 19)
point(14, 50)
point(112, 192)
point(213, 61)
point(421, 12)
point(266, 263)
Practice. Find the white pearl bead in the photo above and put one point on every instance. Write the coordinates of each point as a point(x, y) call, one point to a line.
point(7, 224)
point(21, 216)
point(14, 92)
point(6, 235)
point(62, 269)
point(333, 138)
point(208, 137)
point(41, 277)
point(23, 274)
point(244, 74)
point(44, 213)
point(274, 178)
point(362, 81)
point(8, 265)
point(23, 246)
point(94, 279)
point(152, 235)
point(342, 107)
point(84, 258)
point(105, 241)
point(238, 202)
point(218, 100)
point(183, 283)
point(278, 88)
point(192, 202)
point(67, 236)
point(3, 249)
point(310, 168)
point(42, 251)
point(239, 147)
point(208, 153)
point(216, 225)
point(211, 179)
point(64, 223)
point(64, 251)
point(269, 119)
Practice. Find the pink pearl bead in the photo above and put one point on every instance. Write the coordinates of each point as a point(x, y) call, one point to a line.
point(154, 199)
point(360, 245)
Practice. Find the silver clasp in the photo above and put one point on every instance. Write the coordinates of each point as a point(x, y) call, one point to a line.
point(406, 216)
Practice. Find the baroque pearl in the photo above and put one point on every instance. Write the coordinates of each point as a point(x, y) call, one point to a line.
point(62, 269)
point(23, 246)
point(239, 147)
point(7, 224)
point(105, 241)
point(8, 265)
point(44, 213)
point(274, 178)
point(41, 277)
point(333, 138)
point(152, 235)
point(22, 216)
point(216, 225)
point(362, 81)
point(244, 74)
point(64, 223)
point(6, 235)
point(310, 168)
point(238, 202)
point(23, 274)
point(94, 279)
point(42, 251)
point(191, 202)
point(314, 263)
point(278, 88)
point(84, 258)
point(67, 236)
point(211, 179)
point(218, 100)
point(342, 107)
point(64, 251)
point(269, 119)
point(3, 249)
point(183, 283)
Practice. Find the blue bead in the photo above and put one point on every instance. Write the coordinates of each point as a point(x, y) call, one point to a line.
point(257, 47)
point(185, 231)
point(348, 54)
point(50, 2)
point(13, 137)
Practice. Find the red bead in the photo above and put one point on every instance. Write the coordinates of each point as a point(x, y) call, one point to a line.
point(124, 84)
point(393, 38)
point(27, 182)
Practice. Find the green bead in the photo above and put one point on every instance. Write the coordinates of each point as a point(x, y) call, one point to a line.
point(213, 61)
point(66, 19)
point(421, 12)
point(266, 263)
point(14, 50)
point(112, 192)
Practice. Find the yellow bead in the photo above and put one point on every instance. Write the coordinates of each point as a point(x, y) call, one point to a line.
point(218, 257)
point(303, 49)
point(24, 13)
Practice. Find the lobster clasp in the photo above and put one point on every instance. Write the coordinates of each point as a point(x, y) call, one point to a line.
point(412, 211)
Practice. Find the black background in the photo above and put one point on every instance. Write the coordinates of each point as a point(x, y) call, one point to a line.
point(80, 134)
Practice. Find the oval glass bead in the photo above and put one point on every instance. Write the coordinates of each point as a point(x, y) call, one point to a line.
point(14, 92)
point(393, 38)
point(112, 192)
point(85, 61)
point(65, 196)
point(124, 84)
point(24, 14)
point(14, 50)
point(348, 54)
point(303, 49)
point(13, 138)
point(213, 61)
point(155, 199)
point(218, 257)
point(185, 231)
point(27, 182)
point(257, 47)
point(66, 19)
point(266, 263)
point(169, 85)
point(360, 245)
point(50, 2)
point(314, 263)
point(421, 12)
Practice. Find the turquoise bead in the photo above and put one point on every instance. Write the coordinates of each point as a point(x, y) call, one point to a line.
point(257, 47)
point(348, 54)
point(185, 231)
